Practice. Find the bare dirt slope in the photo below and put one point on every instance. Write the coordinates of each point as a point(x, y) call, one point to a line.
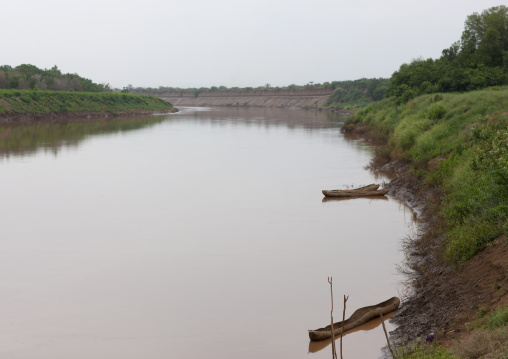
point(302, 99)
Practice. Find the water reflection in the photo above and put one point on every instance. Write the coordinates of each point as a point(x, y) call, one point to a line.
point(22, 139)
point(265, 117)
point(206, 220)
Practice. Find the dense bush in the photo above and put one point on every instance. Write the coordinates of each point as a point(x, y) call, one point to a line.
point(361, 92)
point(26, 76)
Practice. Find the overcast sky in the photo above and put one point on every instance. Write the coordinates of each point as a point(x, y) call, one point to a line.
point(203, 43)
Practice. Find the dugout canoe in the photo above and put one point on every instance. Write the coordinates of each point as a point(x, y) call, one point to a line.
point(360, 316)
point(370, 190)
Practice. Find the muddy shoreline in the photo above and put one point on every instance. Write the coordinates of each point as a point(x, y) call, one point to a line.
point(59, 116)
point(442, 299)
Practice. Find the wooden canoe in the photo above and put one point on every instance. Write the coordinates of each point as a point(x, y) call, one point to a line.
point(354, 193)
point(359, 317)
point(370, 187)
point(370, 190)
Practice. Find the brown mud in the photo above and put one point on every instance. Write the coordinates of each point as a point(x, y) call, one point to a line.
point(78, 115)
point(442, 299)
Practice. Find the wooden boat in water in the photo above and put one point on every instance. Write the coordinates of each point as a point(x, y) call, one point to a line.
point(315, 346)
point(370, 190)
point(359, 317)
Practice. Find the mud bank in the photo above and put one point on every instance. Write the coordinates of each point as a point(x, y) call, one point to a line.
point(58, 116)
point(302, 99)
point(442, 299)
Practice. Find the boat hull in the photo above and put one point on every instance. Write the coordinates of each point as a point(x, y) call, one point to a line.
point(358, 318)
point(354, 193)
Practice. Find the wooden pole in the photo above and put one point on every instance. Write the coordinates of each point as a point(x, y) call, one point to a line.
point(334, 351)
point(386, 335)
point(343, 319)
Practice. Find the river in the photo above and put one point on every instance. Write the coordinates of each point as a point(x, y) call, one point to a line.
point(198, 234)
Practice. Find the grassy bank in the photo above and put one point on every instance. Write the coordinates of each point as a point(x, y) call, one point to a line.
point(456, 148)
point(489, 338)
point(14, 102)
point(459, 143)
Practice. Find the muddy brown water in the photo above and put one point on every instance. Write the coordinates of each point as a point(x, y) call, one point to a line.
point(197, 234)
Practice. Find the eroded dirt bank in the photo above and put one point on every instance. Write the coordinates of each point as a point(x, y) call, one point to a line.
point(298, 98)
point(444, 299)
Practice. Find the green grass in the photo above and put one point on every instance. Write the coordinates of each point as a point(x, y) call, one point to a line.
point(422, 350)
point(466, 136)
point(28, 101)
point(498, 318)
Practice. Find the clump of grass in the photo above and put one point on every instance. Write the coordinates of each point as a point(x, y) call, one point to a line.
point(498, 318)
point(482, 342)
point(420, 350)
point(481, 312)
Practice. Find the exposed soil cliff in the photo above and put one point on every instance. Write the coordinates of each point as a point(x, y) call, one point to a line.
point(303, 99)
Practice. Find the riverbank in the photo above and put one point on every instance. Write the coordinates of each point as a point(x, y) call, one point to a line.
point(306, 99)
point(26, 105)
point(446, 156)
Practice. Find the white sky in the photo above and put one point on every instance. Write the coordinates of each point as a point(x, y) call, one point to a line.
point(194, 43)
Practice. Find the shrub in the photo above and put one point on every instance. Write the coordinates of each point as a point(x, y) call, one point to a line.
point(437, 111)
point(498, 318)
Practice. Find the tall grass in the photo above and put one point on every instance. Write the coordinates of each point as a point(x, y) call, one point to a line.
point(498, 318)
point(422, 350)
point(466, 136)
point(29, 101)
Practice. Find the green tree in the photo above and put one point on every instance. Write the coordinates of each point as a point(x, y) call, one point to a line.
point(485, 37)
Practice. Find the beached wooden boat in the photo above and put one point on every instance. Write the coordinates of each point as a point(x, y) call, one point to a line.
point(359, 317)
point(370, 190)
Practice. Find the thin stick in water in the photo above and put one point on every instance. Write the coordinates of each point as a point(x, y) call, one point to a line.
point(343, 319)
point(386, 335)
point(334, 351)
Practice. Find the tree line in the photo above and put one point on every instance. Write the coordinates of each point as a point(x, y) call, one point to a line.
point(30, 77)
point(197, 90)
point(478, 60)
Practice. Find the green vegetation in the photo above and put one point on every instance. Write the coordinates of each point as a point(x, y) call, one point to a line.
point(24, 77)
point(478, 60)
point(196, 91)
point(481, 342)
point(420, 350)
point(490, 336)
point(29, 101)
point(497, 319)
point(458, 142)
point(358, 93)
